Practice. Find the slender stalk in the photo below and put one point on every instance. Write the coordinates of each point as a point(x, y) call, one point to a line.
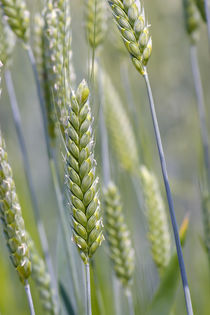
point(207, 9)
point(88, 290)
point(169, 198)
point(29, 297)
point(27, 170)
point(130, 302)
point(201, 108)
point(55, 176)
point(117, 295)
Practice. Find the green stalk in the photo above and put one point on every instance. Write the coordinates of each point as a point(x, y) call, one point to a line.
point(201, 108)
point(27, 170)
point(130, 302)
point(169, 197)
point(55, 177)
point(29, 298)
point(88, 290)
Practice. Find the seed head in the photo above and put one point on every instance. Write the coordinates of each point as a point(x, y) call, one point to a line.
point(18, 17)
point(158, 228)
point(130, 18)
point(11, 217)
point(192, 19)
point(82, 181)
point(121, 250)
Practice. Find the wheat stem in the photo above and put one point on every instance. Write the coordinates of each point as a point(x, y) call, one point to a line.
point(169, 197)
point(130, 302)
point(27, 170)
point(29, 298)
point(88, 290)
point(201, 107)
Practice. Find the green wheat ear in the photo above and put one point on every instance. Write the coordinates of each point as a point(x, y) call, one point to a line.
point(12, 220)
point(201, 7)
point(17, 17)
point(95, 21)
point(130, 19)
point(42, 279)
point(122, 137)
point(40, 52)
point(7, 41)
point(192, 19)
point(82, 180)
point(158, 228)
point(121, 250)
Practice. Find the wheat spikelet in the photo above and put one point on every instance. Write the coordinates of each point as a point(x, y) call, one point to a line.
point(95, 21)
point(121, 133)
point(42, 279)
point(7, 41)
point(201, 7)
point(158, 233)
point(40, 51)
point(121, 250)
point(17, 17)
point(130, 19)
point(82, 181)
point(192, 19)
point(11, 217)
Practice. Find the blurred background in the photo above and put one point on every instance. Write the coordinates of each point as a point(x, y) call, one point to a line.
point(171, 79)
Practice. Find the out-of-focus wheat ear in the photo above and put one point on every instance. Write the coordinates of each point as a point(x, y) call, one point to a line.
point(95, 22)
point(122, 137)
point(41, 62)
point(158, 227)
point(201, 6)
point(11, 217)
point(42, 279)
point(192, 19)
point(118, 236)
point(18, 17)
point(130, 18)
point(7, 40)
point(58, 58)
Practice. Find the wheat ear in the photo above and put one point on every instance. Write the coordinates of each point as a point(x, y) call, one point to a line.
point(42, 279)
point(121, 133)
point(17, 17)
point(82, 180)
point(7, 41)
point(192, 19)
point(58, 55)
point(130, 19)
point(13, 223)
point(120, 245)
point(158, 228)
point(40, 52)
point(95, 22)
point(121, 250)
